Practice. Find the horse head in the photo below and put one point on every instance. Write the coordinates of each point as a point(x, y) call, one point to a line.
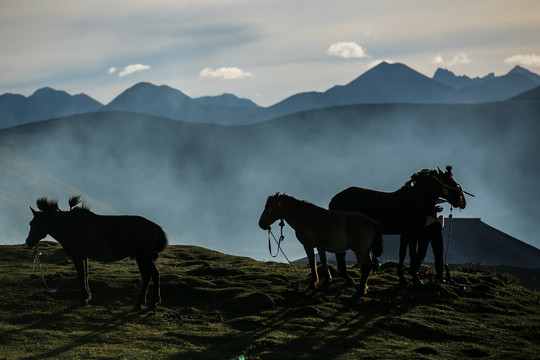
point(438, 184)
point(39, 225)
point(450, 190)
point(272, 211)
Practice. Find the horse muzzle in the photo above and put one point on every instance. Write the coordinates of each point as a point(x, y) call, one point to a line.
point(264, 225)
point(30, 244)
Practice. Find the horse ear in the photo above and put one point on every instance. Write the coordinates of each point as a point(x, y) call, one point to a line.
point(440, 172)
point(33, 211)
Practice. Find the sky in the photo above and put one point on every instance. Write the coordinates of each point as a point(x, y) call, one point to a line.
point(258, 49)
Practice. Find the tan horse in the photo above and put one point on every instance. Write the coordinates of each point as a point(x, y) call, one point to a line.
point(332, 231)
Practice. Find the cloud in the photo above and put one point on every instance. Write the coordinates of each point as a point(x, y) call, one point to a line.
point(112, 70)
point(347, 50)
point(227, 73)
point(438, 60)
point(130, 69)
point(457, 59)
point(527, 60)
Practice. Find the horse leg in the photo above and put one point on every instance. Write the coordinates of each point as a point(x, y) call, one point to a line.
point(145, 274)
point(342, 268)
point(86, 277)
point(402, 253)
point(438, 249)
point(155, 279)
point(81, 265)
point(312, 265)
point(415, 266)
point(324, 262)
point(423, 243)
point(364, 260)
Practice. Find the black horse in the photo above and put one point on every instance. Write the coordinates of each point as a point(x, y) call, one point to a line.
point(85, 235)
point(402, 212)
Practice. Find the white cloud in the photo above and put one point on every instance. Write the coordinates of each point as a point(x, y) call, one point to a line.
point(227, 73)
point(526, 60)
point(130, 69)
point(112, 70)
point(438, 60)
point(347, 50)
point(457, 59)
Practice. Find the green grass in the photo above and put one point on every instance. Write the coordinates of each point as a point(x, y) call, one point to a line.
point(218, 306)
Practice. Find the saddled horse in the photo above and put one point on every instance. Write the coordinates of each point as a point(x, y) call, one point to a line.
point(85, 235)
point(402, 212)
point(332, 231)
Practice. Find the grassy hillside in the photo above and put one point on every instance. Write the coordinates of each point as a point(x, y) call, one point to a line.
point(218, 306)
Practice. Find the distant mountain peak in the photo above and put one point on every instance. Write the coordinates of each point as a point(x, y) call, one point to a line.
point(44, 103)
point(518, 70)
point(447, 77)
point(147, 86)
point(140, 93)
point(47, 91)
point(227, 100)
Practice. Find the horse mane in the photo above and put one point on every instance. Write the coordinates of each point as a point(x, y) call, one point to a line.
point(303, 203)
point(45, 204)
point(420, 177)
point(77, 203)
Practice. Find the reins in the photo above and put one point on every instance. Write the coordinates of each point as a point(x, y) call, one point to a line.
point(278, 242)
point(447, 268)
point(37, 261)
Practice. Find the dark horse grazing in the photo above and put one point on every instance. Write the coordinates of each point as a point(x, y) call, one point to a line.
point(332, 231)
point(85, 235)
point(402, 212)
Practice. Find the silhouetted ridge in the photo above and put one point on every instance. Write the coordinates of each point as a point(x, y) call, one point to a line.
point(44, 103)
point(528, 96)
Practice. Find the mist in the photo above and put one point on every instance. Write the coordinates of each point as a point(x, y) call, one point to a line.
point(206, 184)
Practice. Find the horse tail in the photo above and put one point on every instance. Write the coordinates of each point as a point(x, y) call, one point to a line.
point(160, 244)
point(377, 244)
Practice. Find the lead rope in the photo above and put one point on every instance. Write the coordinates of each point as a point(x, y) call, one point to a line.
point(281, 224)
point(37, 261)
point(448, 276)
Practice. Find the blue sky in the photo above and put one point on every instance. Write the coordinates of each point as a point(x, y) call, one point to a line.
point(259, 49)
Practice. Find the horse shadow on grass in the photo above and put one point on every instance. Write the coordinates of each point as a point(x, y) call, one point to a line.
point(69, 316)
point(323, 323)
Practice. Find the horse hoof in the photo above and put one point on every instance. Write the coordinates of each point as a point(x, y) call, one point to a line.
point(360, 293)
point(85, 302)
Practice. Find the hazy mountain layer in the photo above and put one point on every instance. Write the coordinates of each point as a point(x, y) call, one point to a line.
point(22, 183)
point(208, 183)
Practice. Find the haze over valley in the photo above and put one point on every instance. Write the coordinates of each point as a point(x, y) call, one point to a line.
point(206, 182)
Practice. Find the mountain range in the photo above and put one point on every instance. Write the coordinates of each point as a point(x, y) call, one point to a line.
point(207, 183)
point(156, 152)
point(385, 83)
